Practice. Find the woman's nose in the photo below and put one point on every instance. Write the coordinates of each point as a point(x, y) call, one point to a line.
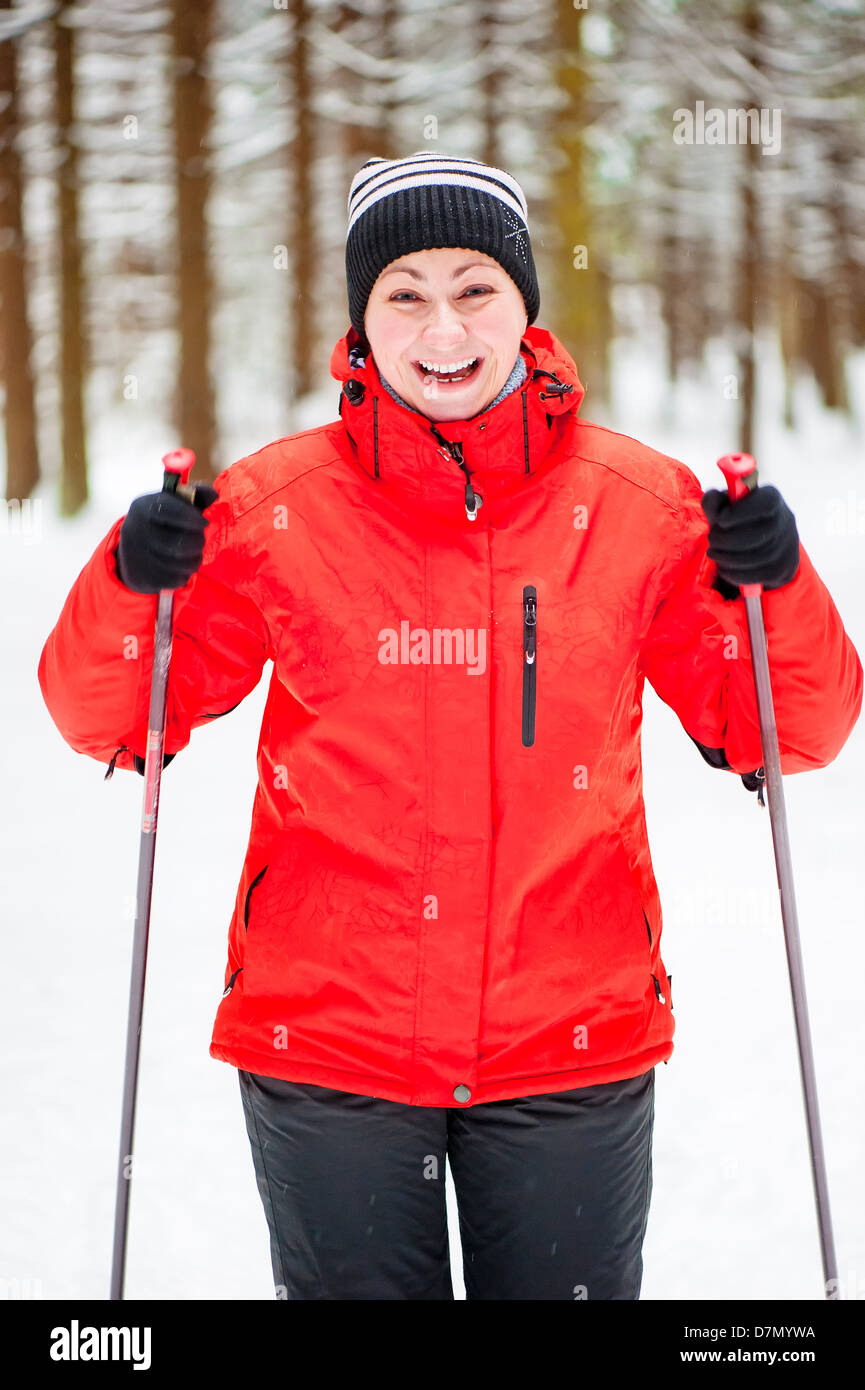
point(444, 325)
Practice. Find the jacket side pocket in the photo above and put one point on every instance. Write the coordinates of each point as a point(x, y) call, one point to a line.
point(258, 877)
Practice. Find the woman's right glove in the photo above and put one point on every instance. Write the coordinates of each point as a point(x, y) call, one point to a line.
point(161, 541)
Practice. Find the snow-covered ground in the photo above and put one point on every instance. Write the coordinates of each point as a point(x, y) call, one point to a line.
point(732, 1213)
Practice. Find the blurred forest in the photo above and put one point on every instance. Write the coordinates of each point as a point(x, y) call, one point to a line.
point(174, 179)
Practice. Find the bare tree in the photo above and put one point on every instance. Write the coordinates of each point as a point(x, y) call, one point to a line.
point(580, 276)
point(750, 280)
point(191, 28)
point(386, 139)
point(73, 475)
point(490, 84)
point(22, 454)
point(301, 154)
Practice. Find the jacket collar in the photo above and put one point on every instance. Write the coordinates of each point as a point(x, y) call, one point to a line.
point(503, 448)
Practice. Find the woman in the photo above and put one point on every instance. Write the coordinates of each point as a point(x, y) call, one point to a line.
point(446, 935)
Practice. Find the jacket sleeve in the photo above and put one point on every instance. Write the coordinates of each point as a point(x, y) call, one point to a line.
point(697, 657)
point(95, 668)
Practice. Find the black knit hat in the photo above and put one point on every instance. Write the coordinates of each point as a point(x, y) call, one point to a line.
point(396, 206)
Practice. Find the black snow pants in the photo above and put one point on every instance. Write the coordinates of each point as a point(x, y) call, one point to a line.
point(552, 1191)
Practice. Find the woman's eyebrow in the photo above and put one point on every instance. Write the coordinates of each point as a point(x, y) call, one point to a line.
point(417, 275)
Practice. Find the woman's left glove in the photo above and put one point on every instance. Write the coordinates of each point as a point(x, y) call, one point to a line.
point(754, 540)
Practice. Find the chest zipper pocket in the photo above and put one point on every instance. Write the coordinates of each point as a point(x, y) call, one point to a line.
point(530, 662)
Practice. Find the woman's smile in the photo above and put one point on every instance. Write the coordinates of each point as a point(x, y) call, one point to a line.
point(448, 373)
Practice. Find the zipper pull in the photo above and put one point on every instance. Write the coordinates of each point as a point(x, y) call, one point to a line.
point(110, 772)
point(474, 501)
point(658, 989)
point(530, 625)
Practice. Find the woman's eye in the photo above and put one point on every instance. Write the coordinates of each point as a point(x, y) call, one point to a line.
point(410, 294)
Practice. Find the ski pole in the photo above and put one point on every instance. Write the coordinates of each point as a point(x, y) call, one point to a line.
point(740, 471)
point(178, 465)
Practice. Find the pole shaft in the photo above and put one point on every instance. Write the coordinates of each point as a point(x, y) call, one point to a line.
point(146, 855)
point(789, 916)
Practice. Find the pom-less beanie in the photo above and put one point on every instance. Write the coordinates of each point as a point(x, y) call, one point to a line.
point(396, 206)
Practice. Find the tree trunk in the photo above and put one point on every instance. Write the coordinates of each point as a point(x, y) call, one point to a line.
point(747, 308)
point(22, 453)
point(73, 476)
point(490, 82)
point(789, 329)
point(191, 28)
point(672, 248)
point(841, 298)
point(580, 279)
point(303, 336)
point(386, 142)
point(750, 254)
point(824, 354)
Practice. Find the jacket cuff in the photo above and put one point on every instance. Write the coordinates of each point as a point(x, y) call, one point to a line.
point(731, 592)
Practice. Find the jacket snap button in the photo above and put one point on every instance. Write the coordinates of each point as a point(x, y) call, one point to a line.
point(462, 1093)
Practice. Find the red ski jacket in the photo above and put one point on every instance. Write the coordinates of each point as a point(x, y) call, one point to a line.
point(447, 896)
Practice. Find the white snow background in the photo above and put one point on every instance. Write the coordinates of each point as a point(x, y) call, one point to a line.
point(732, 1213)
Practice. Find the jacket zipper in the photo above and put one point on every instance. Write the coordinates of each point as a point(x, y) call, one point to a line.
point(530, 655)
point(454, 449)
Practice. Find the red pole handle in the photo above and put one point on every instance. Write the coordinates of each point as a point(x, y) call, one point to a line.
point(740, 471)
point(180, 462)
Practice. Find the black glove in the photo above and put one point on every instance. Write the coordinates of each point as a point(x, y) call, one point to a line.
point(752, 541)
point(162, 540)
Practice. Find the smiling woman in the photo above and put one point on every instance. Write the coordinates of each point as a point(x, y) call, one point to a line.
point(446, 941)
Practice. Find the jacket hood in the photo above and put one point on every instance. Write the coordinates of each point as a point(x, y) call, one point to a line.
point(500, 447)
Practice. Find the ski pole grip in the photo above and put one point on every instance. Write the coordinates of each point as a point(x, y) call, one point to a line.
point(178, 465)
point(740, 471)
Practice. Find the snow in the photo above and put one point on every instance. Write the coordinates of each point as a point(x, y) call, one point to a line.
point(732, 1213)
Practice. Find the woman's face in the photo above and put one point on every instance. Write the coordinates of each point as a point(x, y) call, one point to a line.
point(430, 310)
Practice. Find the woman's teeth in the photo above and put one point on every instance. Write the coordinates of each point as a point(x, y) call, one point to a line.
point(452, 371)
